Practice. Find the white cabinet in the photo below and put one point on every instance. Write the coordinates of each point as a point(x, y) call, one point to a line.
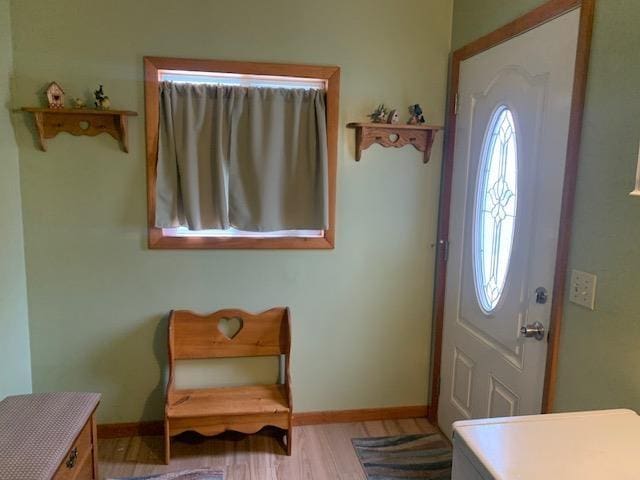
point(594, 445)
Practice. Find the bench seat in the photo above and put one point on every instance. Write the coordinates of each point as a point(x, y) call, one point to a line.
point(249, 400)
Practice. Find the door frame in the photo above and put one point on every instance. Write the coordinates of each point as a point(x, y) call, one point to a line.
point(536, 17)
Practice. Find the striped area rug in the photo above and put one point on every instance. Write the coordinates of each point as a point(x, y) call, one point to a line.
point(404, 457)
point(199, 474)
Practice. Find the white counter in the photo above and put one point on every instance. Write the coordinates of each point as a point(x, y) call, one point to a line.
point(568, 446)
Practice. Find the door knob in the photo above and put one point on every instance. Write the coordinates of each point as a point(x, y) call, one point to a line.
point(535, 330)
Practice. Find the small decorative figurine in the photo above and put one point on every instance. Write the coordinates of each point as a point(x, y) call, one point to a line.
point(102, 101)
point(416, 115)
point(393, 116)
point(55, 95)
point(379, 115)
point(78, 103)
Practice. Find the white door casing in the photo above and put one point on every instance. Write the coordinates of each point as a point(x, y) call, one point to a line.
point(488, 369)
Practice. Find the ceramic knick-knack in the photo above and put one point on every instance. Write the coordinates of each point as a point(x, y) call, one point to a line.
point(79, 103)
point(393, 117)
point(102, 101)
point(379, 115)
point(55, 95)
point(416, 117)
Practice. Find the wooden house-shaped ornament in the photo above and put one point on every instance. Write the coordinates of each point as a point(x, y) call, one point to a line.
point(55, 95)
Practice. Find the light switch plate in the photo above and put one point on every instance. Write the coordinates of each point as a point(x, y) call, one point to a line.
point(583, 289)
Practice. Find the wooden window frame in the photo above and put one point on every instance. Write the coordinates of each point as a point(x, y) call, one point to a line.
point(152, 69)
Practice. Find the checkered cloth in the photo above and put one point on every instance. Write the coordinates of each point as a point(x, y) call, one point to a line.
point(36, 432)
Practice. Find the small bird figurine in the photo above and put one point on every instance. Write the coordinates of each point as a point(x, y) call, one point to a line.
point(393, 117)
point(416, 117)
point(102, 101)
point(379, 115)
point(79, 103)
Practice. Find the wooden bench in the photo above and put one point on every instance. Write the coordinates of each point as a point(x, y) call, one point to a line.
point(246, 409)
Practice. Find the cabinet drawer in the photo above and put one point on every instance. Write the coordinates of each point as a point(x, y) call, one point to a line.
point(79, 459)
point(86, 470)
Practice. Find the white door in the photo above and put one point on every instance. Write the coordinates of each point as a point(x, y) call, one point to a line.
point(514, 104)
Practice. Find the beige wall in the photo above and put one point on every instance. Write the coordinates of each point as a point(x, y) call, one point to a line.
point(98, 297)
point(599, 357)
point(15, 369)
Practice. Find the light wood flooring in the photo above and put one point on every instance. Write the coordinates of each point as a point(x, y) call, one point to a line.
point(320, 452)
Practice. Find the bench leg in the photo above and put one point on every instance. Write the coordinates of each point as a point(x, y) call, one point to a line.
point(289, 440)
point(167, 443)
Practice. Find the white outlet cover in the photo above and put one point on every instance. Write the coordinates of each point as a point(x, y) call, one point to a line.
point(582, 290)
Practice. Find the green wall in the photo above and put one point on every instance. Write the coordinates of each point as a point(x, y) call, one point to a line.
point(599, 357)
point(15, 370)
point(98, 298)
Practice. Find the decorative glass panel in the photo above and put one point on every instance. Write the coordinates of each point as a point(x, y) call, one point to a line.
point(495, 210)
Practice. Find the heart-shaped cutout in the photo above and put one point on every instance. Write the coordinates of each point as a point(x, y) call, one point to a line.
point(230, 327)
point(393, 137)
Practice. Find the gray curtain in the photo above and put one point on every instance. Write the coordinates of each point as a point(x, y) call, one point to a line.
point(250, 158)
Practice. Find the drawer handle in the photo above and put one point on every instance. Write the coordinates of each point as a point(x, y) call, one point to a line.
point(73, 457)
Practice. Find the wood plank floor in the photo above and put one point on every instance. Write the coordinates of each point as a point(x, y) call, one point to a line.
point(320, 452)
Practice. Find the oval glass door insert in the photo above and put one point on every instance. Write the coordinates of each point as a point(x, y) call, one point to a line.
point(495, 209)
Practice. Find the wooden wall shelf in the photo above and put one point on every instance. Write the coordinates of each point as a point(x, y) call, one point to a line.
point(394, 135)
point(83, 121)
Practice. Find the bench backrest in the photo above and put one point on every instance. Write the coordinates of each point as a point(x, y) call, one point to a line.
point(194, 336)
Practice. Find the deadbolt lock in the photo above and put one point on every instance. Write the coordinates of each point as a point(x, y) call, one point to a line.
point(541, 295)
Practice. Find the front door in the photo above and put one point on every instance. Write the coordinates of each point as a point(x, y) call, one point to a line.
point(512, 123)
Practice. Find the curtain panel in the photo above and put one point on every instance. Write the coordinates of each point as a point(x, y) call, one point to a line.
point(254, 159)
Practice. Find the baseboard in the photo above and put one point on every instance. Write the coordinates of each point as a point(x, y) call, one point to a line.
point(134, 429)
point(360, 415)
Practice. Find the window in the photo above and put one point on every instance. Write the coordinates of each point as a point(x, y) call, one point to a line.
point(495, 211)
point(158, 71)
